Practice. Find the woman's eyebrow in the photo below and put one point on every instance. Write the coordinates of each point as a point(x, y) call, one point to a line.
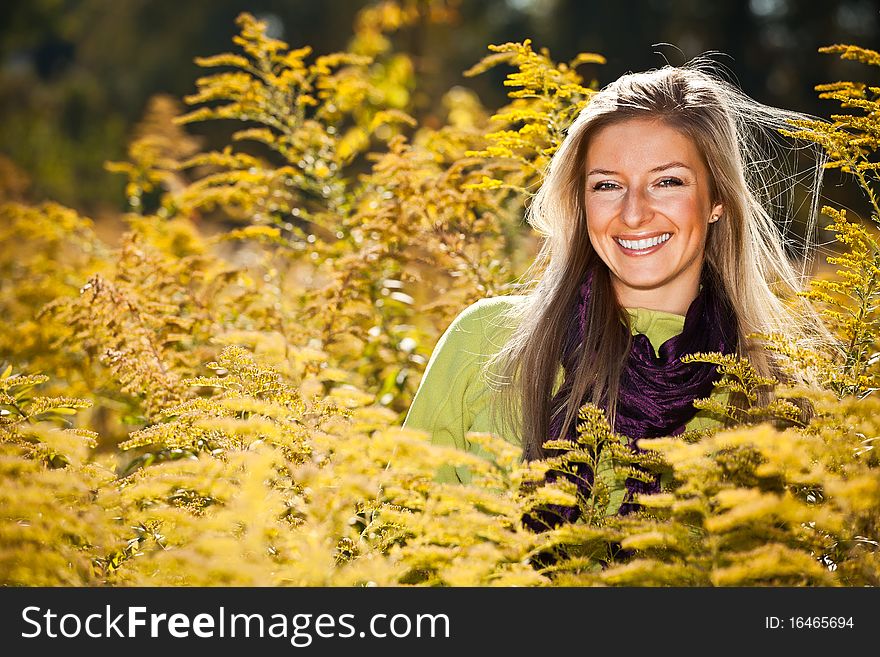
point(670, 165)
point(662, 167)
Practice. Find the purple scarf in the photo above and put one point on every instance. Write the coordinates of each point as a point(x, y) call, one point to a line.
point(656, 394)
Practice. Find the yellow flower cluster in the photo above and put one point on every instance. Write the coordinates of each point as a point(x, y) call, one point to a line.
point(220, 394)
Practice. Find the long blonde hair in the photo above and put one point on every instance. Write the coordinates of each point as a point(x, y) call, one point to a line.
point(745, 250)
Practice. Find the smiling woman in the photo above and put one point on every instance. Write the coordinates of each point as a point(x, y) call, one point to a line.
point(648, 210)
point(664, 236)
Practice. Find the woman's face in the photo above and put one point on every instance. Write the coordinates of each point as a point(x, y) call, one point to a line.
point(648, 209)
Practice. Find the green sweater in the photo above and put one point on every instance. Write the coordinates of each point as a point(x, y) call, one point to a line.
point(453, 396)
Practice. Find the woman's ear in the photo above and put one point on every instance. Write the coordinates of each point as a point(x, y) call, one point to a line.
point(717, 211)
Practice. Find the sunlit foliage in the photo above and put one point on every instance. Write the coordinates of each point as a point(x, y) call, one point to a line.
point(216, 399)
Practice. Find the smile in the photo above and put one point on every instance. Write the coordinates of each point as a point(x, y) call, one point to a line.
point(644, 246)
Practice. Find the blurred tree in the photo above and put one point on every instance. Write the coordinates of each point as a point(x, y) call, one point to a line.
point(76, 76)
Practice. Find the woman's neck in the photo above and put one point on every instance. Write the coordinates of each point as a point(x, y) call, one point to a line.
point(675, 298)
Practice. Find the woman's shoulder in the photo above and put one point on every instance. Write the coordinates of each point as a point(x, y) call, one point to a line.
point(485, 326)
point(491, 314)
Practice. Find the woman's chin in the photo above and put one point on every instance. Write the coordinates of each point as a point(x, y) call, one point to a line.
point(641, 284)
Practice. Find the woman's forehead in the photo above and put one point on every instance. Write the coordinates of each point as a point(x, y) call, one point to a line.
point(641, 144)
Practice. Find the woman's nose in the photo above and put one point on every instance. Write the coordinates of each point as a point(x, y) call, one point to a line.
point(636, 208)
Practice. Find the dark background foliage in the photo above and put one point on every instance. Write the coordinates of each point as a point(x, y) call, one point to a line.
point(76, 76)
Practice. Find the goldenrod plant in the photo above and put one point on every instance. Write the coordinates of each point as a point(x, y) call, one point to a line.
point(221, 390)
point(52, 523)
point(546, 99)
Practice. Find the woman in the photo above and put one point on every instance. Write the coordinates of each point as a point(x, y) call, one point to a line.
point(659, 241)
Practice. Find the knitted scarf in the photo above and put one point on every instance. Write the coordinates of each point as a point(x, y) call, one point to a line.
point(656, 393)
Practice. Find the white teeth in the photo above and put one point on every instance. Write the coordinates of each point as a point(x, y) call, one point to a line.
point(644, 244)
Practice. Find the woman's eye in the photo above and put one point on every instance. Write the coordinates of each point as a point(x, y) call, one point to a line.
point(670, 182)
point(606, 184)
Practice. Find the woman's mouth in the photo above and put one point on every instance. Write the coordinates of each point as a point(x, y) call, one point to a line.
point(643, 246)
